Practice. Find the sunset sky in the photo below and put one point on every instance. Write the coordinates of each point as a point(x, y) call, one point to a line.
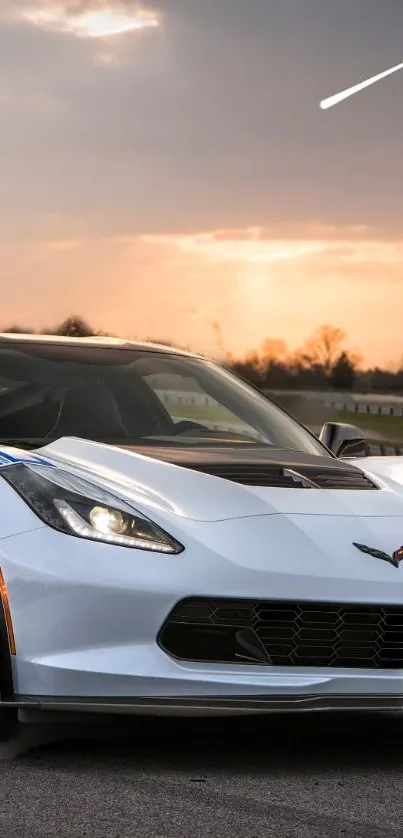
point(165, 165)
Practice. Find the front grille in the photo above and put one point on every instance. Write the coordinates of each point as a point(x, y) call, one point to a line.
point(285, 633)
point(287, 477)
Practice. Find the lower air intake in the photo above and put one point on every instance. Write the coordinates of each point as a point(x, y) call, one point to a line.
point(281, 633)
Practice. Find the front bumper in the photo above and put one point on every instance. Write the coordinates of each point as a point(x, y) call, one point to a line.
point(86, 617)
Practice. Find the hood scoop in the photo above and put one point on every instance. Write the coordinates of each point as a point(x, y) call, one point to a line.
point(285, 477)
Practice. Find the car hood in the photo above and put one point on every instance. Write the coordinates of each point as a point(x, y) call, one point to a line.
point(184, 481)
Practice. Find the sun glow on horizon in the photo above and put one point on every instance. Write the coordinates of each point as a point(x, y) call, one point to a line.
point(96, 23)
point(254, 282)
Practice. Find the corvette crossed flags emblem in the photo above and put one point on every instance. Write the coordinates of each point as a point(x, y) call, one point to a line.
point(394, 559)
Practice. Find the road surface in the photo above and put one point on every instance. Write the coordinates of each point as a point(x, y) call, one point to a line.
point(328, 776)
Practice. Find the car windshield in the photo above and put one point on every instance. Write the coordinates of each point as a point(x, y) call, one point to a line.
point(132, 397)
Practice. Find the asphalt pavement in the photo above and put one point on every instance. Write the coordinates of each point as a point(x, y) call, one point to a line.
point(316, 776)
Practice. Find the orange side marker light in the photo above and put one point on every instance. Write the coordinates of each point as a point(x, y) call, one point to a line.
point(7, 614)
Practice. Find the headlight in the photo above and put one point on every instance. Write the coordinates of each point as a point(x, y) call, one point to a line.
point(71, 505)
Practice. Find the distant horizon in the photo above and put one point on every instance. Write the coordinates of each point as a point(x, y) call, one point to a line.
point(276, 349)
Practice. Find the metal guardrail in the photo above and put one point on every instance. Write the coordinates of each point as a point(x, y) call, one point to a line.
point(383, 450)
point(372, 409)
point(371, 403)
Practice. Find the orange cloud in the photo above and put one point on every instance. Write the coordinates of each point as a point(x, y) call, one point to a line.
point(177, 287)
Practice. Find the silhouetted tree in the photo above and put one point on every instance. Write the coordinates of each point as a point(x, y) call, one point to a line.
point(384, 381)
point(323, 347)
point(18, 330)
point(74, 327)
point(277, 375)
point(342, 374)
point(249, 369)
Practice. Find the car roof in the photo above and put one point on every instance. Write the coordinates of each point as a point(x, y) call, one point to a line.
point(95, 341)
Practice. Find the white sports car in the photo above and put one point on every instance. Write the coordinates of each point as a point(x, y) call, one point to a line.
point(171, 541)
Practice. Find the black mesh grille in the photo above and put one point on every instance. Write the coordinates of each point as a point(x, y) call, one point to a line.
point(285, 633)
point(293, 477)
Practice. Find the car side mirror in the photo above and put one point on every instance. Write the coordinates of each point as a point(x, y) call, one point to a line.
point(343, 440)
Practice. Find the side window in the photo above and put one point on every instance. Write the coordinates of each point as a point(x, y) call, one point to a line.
point(184, 399)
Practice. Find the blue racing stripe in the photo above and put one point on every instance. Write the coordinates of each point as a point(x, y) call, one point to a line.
point(20, 456)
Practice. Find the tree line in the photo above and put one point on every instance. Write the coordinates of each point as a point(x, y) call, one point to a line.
point(323, 362)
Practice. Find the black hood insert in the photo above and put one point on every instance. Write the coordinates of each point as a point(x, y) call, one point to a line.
point(261, 465)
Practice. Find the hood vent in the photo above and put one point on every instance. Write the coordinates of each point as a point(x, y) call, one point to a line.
point(339, 479)
point(283, 477)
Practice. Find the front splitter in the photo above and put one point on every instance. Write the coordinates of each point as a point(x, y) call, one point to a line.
point(207, 706)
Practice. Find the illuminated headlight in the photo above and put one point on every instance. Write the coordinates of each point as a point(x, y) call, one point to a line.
point(73, 506)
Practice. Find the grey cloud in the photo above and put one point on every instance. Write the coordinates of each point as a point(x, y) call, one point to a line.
point(213, 121)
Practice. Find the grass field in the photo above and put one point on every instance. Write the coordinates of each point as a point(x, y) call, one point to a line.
point(387, 429)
